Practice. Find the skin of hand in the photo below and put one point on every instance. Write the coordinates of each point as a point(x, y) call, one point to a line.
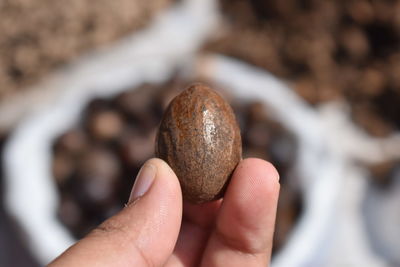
point(157, 229)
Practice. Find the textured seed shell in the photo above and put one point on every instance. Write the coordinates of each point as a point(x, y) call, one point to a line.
point(200, 139)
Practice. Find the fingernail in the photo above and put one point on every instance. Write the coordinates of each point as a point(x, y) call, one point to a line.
point(143, 181)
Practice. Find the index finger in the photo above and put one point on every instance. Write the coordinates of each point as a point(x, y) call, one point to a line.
point(245, 224)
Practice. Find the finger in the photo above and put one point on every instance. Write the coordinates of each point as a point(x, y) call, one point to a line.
point(203, 215)
point(143, 233)
point(198, 221)
point(244, 227)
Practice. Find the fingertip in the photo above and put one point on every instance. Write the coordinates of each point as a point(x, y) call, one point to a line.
point(249, 207)
point(263, 166)
point(254, 180)
point(161, 166)
point(165, 172)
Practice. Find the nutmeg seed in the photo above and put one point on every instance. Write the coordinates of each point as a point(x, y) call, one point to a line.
point(200, 139)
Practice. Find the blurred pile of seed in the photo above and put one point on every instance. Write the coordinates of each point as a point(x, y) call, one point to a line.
point(95, 163)
point(346, 49)
point(40, 35)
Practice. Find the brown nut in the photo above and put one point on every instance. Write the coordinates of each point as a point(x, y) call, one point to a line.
point(200, 139)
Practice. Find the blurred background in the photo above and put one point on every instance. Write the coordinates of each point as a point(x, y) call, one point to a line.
point(110, 68)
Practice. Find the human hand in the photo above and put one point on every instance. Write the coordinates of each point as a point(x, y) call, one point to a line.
point(157, 229)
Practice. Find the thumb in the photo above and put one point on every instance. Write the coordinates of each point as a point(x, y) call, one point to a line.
point(144, 233)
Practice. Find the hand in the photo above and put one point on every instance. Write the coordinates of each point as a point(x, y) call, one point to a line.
point(152, 230)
